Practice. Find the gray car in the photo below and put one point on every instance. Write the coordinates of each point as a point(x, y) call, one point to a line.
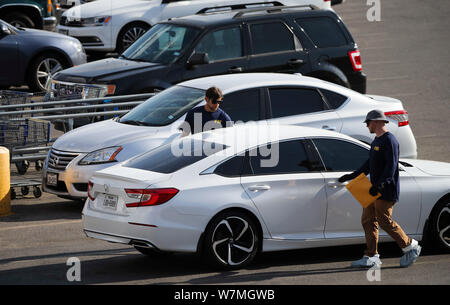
point(30, 57)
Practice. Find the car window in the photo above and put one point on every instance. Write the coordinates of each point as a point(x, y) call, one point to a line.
point(242, 105)
point(294, 101)
point(164, 108)
point(323, 31)
point(340, 155)
point(222, 44)
point(231, 167)
point(335, 100)
point(170, 158)
point(284, 158)
point(163, 43)
point(271, 37)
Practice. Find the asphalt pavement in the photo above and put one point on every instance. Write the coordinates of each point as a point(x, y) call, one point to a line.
point(405, 56)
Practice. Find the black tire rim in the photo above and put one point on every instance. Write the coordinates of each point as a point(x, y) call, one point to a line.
point(131, 35)
point(233, 241)
point(443, 225)
point(46, 69)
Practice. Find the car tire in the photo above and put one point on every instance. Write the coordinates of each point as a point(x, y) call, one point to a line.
point(231, 240)
point(440, 225)
point(18, 19)
point(41, 67)
point(129, 34)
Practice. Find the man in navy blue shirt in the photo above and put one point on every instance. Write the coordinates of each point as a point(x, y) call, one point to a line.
point(207, 117)
point(382, 166)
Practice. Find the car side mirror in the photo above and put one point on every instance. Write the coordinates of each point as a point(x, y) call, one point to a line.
point(198, 59)
point(4, 30)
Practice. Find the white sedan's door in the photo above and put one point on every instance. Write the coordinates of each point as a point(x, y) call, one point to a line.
point(289, 195)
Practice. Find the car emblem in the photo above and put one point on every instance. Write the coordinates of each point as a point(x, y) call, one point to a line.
point(106, 188)
point(56, 161)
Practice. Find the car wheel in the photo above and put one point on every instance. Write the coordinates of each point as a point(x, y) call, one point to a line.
point(129, 35)
point(440, 225)
point(19, 20)
point(42, 69)
point(231, 240)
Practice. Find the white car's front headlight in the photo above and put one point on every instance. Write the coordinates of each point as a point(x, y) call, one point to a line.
point(95, 21)
point(100, 156)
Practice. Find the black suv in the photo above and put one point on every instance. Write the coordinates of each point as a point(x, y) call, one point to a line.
point(295, 39)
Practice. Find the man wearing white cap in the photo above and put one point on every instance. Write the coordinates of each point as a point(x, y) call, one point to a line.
point(384, 176)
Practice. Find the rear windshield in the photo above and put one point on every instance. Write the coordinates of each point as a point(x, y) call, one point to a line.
point(323, 31)
point(170, 158)
point(165, 107)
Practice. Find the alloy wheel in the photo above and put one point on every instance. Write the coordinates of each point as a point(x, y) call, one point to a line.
point(233, 241)
point(131, 35)
point(46, 69)
point(443, 225)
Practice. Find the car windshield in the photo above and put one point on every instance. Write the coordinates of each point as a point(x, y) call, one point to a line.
point(165, 107)
point(163, 44)
point(170, 158)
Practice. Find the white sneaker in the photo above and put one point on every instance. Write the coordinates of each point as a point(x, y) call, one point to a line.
point(411, 253)
point(367, 262)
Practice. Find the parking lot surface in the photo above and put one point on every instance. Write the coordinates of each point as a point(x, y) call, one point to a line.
point(405, 56)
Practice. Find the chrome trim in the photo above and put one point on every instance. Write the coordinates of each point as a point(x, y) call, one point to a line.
point(59, 160)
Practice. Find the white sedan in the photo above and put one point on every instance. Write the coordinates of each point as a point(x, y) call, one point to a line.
point(286, 99)
point(234, 192)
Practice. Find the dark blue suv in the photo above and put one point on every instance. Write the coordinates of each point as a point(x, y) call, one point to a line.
point(276, 39)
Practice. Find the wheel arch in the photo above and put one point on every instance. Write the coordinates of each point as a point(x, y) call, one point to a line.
point(122, 28)
point(332, 74)
point(49, 50)
point(32, 11)
point(427, 230)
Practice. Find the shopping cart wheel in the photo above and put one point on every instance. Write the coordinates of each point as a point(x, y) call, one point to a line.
point(39, 165)
point(24, 190)
point(37, 192)
point(13, 194)
point(22, 167)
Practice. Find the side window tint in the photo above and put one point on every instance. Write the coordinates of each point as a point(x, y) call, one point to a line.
point(292, 101)
point(323, 31)
point(288, 157)
point(339, 155)
point(242, 105)
point(221, 44)
point(335, 100)
point(231, 168)
point(271, 37)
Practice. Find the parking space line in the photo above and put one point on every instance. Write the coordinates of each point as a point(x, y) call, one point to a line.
point(41, 225)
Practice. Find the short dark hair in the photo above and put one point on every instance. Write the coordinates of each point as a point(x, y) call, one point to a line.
point(213, 93)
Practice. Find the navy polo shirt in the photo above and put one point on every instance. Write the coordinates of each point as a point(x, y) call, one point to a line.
point(383, 166)
point(200, 120)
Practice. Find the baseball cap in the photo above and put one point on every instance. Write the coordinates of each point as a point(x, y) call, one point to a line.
point(376, 115)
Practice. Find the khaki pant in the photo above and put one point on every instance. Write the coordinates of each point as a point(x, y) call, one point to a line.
point(380, 213)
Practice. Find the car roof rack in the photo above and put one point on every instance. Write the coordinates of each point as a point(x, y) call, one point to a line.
point(244, 6)
point(274, 9)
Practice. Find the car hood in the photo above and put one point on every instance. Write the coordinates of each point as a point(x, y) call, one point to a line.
point(434, 168)
point(106, 7)
point(103, 68)
point(103, 134)
point(43, 34)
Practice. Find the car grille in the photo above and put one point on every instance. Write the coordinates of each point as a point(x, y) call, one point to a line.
point(60, 159)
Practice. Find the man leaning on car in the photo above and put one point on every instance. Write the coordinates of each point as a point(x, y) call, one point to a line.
point(207, 117)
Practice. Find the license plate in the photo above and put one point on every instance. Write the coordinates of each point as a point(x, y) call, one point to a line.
point(52, 179)
point(110, 201)
point(65, 32)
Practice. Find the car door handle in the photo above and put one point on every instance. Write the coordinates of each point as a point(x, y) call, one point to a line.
point(295, 62)
point(256, 188)
point(235, 69)
point(331, 128)
point(336, 184)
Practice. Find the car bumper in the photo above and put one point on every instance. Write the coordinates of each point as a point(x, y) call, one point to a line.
point(159, 227)
point(96, 38)
point(407, 142)
point(358, 82)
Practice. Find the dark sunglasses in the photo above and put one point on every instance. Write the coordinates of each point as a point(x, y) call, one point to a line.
point(217, 101)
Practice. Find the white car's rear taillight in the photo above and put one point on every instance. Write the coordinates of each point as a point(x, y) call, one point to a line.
point(401, 116)
point(355, 59)
point(148, 197)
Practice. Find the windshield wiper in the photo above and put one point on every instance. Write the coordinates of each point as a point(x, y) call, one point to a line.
point(138, 123)
point(134, 59)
